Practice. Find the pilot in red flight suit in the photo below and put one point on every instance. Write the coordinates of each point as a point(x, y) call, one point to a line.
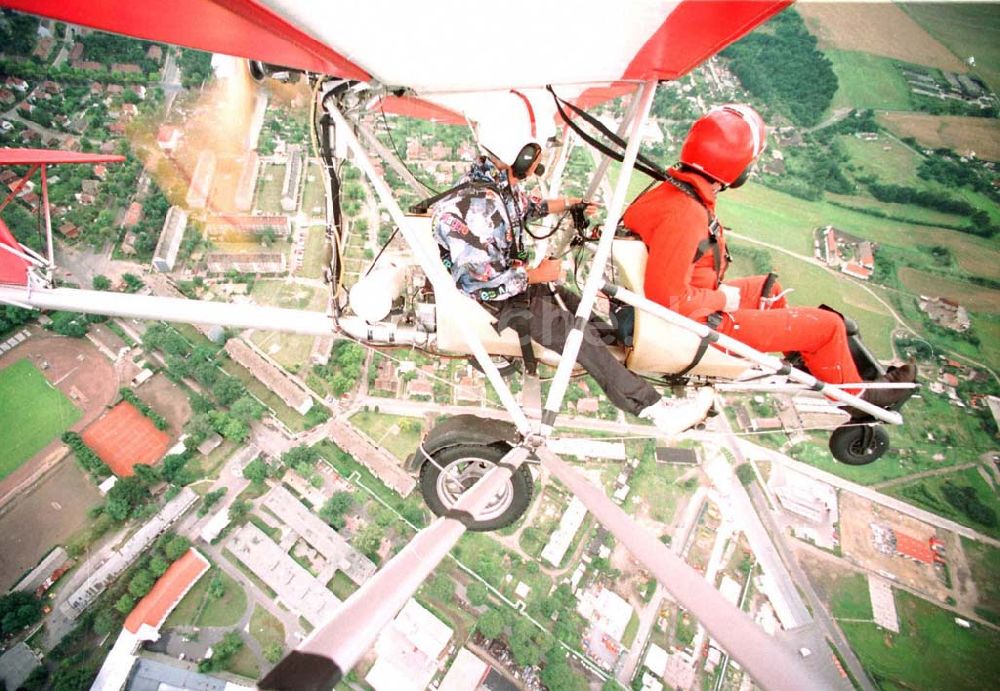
point(688, 257)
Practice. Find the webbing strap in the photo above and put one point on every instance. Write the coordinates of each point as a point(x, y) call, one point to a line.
point(711, 337)
point(642, 164)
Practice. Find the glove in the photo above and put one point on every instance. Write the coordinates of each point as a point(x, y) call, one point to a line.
point(732, 294)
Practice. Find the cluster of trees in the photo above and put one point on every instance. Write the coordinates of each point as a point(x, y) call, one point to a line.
point(17, 33)
point(344, 369)
point(147, 231)
point(128, 395)
point(335, 508)
point(12, 317)
point(168, 549)
point(130, 494)
point(184, 360)
point(112, 48)
point(196, 67)
point(979, 221)
point(966, 500)
point(87, 459)
point(210, 500)
point(17, 611)
point(944, 169)
point(781, 65)
point(222, 652)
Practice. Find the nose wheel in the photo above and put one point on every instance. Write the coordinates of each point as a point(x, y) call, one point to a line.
point(855, 444)
point(454, 469)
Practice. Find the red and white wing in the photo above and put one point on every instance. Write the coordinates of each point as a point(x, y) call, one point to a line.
point(440, 46)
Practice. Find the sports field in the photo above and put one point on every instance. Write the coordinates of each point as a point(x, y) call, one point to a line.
point(124, 438)
point(32, 414)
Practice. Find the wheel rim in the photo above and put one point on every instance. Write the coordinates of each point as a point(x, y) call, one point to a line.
point(461, 474)
point(860, 448)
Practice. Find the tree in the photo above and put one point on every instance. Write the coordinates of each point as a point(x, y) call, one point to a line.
point(299, 455)
point(158, 565)
point(368, 540)
point(247, 408)
point(335, 507)
point(18, 610)
point(105, 622)
point(744, 472)
point(176, 547)
point(559, 676)
point(125, 603)
point(125, 497)
point(217, 587)
point(273, 652)
point(228, 389)
point(491, 624)
point(70, 324)
point(133, 283)
point(141, 583)
point(441, 588)
point(101, 282)
point(477, 593)
point(256, 472)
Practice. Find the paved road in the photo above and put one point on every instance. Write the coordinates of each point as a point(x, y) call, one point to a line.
point(819, 610)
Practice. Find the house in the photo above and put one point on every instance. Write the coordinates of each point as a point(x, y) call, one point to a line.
point(101, 171)
point(168, 137)
point(133, 215)
point(129, 110)
point(139, 90)
point(17, 84)
point(88, 65)
point(76, 53)
point(69, 230)
point(155, 53)
point(115, 89)
point(6, 96)
point(96, 88)
point(126, 68)
point(588, 406)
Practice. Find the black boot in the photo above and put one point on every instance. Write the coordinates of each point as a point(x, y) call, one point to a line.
point(891, 398)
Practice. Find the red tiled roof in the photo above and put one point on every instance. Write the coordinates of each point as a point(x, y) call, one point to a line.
point(914, 548)
point(167, 592)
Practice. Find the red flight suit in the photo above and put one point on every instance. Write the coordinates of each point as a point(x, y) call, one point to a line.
point(675, 228)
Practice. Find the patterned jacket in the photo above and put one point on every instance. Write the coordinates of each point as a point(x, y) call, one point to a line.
point(479, 230)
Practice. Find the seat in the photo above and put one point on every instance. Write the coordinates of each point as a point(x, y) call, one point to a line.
point(659, 347)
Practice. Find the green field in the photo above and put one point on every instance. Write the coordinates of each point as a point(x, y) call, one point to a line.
point(867, 81)
point(891, 161)
point(292, 351)
point(315, 253)
point(398, 435)
point(930, 652)
point(32, 414)
point(314, 196)
point(984, 563)
point(966, 29)
point(266, 628)
point(272, 177)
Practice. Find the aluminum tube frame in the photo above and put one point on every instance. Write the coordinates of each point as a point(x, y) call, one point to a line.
point(602, 170)
point(772, 665)
point(354, 626)
point(431, 265)
point(48, 223)
point(743, 350)
point(172, 309)
point(595, 278)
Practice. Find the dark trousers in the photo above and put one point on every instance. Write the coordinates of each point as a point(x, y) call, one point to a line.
point(550, 324)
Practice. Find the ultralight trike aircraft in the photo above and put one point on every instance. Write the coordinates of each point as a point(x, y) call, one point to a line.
point(456, 64)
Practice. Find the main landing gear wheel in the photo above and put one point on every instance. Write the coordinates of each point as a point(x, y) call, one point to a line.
point(454, 469)
point(859, 444)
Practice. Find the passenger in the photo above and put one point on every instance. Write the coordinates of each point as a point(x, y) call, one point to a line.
point(480, 228)
point(688, 258)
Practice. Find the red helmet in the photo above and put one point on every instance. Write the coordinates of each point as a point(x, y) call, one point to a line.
point(724, 142)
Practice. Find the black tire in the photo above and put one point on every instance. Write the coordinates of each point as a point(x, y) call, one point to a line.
point(859, 444)
point(473, 460)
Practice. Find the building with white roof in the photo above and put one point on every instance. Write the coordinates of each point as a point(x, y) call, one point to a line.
point(169, 244)
point(466, 673)
point(409, 650)
point(560, 540)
